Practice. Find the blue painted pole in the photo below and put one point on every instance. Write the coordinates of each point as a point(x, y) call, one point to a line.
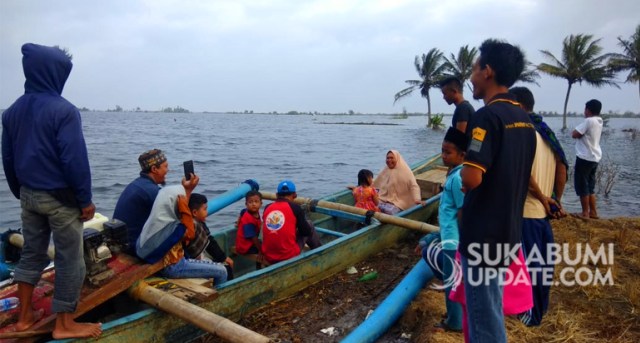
point(391, 308)
point(229, 197)
point(4, 268)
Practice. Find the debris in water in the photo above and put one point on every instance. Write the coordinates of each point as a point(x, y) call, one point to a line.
point(329, 331)
point(369, 276)
point(352, 270)
point(368, 314)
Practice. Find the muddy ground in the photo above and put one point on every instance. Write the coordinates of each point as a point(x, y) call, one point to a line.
point(607, 313)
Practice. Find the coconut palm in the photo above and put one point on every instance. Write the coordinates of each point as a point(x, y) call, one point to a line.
point(581, 61)
point(529, 74)
point(460, 66)
point(430, 69)
point(630, 59)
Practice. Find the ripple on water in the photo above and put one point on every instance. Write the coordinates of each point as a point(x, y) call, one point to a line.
point(320, 159)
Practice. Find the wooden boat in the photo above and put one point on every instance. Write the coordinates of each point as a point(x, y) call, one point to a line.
point(345, 243)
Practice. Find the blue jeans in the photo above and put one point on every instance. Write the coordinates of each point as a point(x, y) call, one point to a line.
point(189, 268)
point(484, 304)
point(537, 233)
point(43, 216)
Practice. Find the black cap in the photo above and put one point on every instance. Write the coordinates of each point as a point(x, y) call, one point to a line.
point(457, 138)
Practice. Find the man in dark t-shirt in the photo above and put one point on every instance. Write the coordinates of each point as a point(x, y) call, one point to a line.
point(451, 88)
point(495, 176)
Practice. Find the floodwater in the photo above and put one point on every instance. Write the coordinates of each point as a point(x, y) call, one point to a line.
point(319, 158)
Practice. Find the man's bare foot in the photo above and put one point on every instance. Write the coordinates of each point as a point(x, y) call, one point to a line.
point(27, 319)
point(67, 327)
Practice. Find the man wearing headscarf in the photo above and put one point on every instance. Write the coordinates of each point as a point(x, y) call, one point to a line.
point(135, 202)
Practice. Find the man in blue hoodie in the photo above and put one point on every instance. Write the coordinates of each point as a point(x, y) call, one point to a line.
point(46, 164)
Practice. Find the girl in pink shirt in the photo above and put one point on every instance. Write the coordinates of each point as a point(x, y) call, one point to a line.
point(365, 195)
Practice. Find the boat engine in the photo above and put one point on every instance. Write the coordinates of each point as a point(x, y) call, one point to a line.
point(96, 254)
point(116, 233)
point(98, 249)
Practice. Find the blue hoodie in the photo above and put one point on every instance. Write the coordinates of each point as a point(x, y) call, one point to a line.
point(42, 143)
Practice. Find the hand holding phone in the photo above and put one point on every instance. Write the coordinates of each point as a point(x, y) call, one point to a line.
point(188, 169)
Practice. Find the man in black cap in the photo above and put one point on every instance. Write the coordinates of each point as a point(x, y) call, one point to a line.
point(454, 147)
point(135, 202)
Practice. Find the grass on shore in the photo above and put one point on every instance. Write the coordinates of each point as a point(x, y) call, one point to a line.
point(595, 313)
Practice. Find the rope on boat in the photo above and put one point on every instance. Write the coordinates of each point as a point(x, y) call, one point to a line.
point(368, 217)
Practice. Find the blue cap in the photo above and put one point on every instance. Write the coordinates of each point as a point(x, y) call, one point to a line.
point(286, 187)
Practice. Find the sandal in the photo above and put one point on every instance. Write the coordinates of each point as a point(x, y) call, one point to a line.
point(444, 327)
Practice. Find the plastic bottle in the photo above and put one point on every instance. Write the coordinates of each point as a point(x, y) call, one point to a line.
point(8, 304)
point(369, 276)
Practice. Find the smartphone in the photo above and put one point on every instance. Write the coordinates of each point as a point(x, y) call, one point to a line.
point(188, 169)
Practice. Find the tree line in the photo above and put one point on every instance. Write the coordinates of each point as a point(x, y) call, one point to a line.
point(582, 60)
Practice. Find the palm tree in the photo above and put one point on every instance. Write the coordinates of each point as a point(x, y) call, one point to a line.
point(430, 69)
point(630, 59)
point(581, 61)
point(460, 66)
point(529, 74)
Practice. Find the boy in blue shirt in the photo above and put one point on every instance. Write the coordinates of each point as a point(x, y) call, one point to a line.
point(440, 256)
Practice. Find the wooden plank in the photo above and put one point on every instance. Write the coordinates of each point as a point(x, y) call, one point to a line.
point(201, 293)
point(128, 270)
point(182, 294)
point(24, 334)
point(431, 181)
point(201, 281)
point(119, 283)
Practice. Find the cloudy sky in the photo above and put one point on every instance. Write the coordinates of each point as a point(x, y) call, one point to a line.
point(282, 55)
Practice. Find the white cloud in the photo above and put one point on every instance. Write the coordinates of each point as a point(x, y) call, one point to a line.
point(284, 55)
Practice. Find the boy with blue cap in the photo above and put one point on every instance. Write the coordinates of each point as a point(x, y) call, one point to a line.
point(286, 229)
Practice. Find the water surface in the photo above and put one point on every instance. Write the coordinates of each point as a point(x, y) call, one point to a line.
point(320, 159)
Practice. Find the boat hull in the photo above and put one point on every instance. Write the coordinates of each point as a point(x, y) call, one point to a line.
point(346, 243)
point(254, 290)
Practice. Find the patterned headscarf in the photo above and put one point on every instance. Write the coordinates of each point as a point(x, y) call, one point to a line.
point(151, 158)
point(547, 134)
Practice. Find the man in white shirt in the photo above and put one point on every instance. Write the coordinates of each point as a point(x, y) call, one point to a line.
point(588, 154)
